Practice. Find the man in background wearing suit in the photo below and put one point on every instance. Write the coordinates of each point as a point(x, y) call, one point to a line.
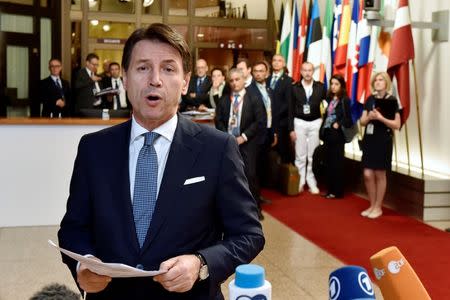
point(54, 92)
point(165, 194)
point(281, 86)
point(114, 101)
point(243, 116)
point(86, 82)
point(199, 86)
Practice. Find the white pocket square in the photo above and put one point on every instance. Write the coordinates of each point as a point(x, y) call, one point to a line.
point(194, 180)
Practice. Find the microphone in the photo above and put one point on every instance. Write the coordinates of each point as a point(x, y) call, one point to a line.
point(350, 282)
point(395, 276)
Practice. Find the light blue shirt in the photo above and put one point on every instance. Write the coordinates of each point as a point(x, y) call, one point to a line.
point(161, 144)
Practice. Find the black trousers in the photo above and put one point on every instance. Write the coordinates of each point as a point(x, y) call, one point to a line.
point(334, 152)
point(250, 153)
point(285, 147)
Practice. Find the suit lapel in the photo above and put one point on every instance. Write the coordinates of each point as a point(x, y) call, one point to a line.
point(182, 156)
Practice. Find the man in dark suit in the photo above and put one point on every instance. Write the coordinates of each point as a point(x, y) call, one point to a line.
point(281, 85)
point(242, 115)
point(114, 101)
point(199, 85)
point(86, 82)
point(165, 194)
point(54, 92)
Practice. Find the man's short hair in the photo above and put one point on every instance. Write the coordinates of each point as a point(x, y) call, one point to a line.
point(235, 70)
point(244, 60)
point(164, 34)
point(262, 62)
point(114, 63)
point(91, 56)
point(55, 291)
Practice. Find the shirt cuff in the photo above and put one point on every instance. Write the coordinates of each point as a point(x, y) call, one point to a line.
point(245, 137)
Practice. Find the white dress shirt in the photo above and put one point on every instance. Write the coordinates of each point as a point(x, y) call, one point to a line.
point(161, 144)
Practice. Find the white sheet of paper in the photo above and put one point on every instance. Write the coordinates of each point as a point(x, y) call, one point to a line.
point(114, 270)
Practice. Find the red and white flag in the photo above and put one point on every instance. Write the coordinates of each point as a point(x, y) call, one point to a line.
point(402, 51)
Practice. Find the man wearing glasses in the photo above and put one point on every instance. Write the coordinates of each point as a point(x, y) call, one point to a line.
point(54, 92)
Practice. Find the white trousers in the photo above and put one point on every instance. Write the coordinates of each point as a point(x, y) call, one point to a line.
point(307, 133)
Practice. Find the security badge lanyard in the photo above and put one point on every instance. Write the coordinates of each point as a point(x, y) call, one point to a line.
point(306, 106)
point(236, 104)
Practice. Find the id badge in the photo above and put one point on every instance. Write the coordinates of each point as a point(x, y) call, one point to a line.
point(306, 109)
point(369, 129)
point(233, 121)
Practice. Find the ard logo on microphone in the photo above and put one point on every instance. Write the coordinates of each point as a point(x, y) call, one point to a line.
point(394, 266)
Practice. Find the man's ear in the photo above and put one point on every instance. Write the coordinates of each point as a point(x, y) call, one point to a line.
point(186, 79)
point(124, 79)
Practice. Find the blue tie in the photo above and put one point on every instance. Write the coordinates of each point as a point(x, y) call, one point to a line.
point(236, 128)
point(145, 187)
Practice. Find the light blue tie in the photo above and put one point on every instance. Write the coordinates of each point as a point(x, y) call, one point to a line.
point(145, 187)
point(236, 128)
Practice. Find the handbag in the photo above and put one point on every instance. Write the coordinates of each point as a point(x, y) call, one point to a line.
point(349, 132)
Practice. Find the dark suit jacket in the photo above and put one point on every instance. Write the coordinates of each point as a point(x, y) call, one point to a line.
point(106, 83)
point(343, 119)
point(84, 87)
point(202, 97)
point(49, 93)
point(216, 217)
point(253, 88)
point(282, 94)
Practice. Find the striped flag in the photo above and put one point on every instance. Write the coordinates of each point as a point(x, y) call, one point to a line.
point(335, 31)
point(340, 59)
point(402, 51)
point(293, 41)
point(367, 37)
point(286, 31)
point(325, 60)
point(310, 7)
point(278, 6)
point(315, 39)
point(301, 42)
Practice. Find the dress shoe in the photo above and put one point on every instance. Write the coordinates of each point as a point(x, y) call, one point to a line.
point(375, 214)
point(330, 196)
point(366, 212)
point(314, 190)
point(260, 215)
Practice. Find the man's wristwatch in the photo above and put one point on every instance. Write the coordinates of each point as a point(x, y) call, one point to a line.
point(203, 273)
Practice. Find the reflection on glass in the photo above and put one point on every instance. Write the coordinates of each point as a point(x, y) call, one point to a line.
point(110, 30)
point(108, 55)
point(232, 38)
point(16, 67)
point(232, 9)
point(114, 6)
point(151, 7)
point(178, 7)
point(16, 23)
point(46, 45)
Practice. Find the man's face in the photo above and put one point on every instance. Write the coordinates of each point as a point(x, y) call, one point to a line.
point(277, 63)
point(201, 68)
point(92, 65)
point(307, 72)
point(115, 71)
point(154, 81)
point(217, 76)
point(237, 82)
point(259, 73)
point(55, 67)
point(242, 66)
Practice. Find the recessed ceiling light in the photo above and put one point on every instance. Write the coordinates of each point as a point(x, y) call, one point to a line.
point(200, 35)
point(94, 22)
point(106, 27)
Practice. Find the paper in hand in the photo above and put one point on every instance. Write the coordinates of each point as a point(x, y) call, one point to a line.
point(114, 270)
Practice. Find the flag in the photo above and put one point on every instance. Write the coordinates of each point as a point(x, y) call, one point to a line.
point(402, 51)
point(340, 58)
point(325, 59)
point(293, 41)
point(315, 39)
point(305, 55)
point(279, 4)
point(286, 31)
point(335, 31)
point(301, 42)
point(367, 38)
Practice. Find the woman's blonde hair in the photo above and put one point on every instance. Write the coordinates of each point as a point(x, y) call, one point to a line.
point(386, 78)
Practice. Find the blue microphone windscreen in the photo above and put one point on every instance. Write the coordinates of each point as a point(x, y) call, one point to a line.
point(350, 283)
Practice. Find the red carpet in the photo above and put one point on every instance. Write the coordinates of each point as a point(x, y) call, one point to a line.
point(337, 227)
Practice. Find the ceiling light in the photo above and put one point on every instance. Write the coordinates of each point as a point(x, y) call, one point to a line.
point(94, 22)
point(147, 3)
point(200, 35)
point(92, 3)
point(106, 27)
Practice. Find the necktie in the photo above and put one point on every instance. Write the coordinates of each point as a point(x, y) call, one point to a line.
point(199, 83)
point(115, 98)
point(274, 81)
point(236, 128)
point(58, 84)
point(145, 187)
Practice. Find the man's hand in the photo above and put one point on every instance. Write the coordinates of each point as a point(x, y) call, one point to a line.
point(293, 136)
point(95, 77)
point(240, 140)
point(60, 103)
point(192, 95)
point(275, 140)
point(91, 282)
point(202, 108)
point(181, 275)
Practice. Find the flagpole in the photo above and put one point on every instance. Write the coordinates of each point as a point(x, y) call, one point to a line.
point(407, 149)
point(416, 90)
point(395, 154)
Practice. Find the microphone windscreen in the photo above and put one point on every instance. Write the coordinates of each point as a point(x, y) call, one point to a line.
point(395, 276)
point(350, 283)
